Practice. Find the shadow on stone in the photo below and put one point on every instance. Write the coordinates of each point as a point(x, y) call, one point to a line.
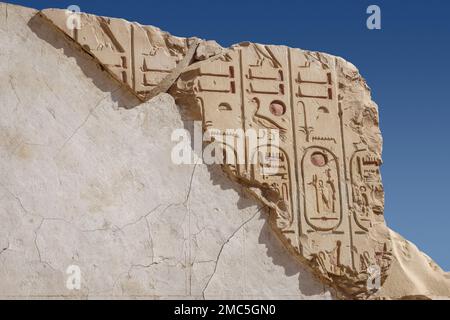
point(218, 177)
point(308, 285)
point(89, 66)
point(126, 99)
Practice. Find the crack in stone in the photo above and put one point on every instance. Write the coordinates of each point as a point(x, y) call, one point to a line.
point(91, 111)
point(150, 239)
point(141, 218)
point(44, 80)
point(223, 246)
point(36, 231)
point(203, 261)
point(136, 266)
point(36, 234)
point(146, 266)
point(17, 199)
point(170, 79)
point(13, 87)
point(145, 217)
point(190, 185)
point(94, 230)
point(4, 249)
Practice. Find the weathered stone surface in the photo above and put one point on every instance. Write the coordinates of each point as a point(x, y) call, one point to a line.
point(138, 56)
point(325, 196)
point(144, 58)
point(207, 49)
point(85, 182)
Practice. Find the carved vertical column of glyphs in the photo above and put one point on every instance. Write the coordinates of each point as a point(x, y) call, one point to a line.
point(325, 194)
point(248, 88)
point(362, 171)
point(266, 104)
point(138, 56)
point(326, 229)
point(327, 188)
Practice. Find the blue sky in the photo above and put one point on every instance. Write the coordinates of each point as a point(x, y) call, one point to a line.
point(406, 63)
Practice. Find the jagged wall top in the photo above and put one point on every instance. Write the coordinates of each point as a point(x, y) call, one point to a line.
point(326, 197)
point(141, 57)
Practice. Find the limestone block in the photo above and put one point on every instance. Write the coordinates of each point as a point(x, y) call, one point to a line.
point(326, 194)
point(138, 56)
point(88, 182)
point(317, 165)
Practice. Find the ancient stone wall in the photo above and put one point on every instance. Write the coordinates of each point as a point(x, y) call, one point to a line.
point(299, 132)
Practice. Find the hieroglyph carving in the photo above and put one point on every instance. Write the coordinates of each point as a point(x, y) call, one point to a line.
point(139, 56)
point(325, 194)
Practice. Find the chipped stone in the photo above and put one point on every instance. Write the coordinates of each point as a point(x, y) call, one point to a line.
point(90, 177)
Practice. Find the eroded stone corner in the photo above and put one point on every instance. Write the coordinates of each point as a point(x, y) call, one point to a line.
point(145, 59)
point(325, 195)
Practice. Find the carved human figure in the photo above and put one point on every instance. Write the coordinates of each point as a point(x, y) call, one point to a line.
point(325, 193)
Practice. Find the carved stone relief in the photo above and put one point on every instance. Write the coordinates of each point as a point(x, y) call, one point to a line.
point(325, 196)
point(330, 191)
point(140, 57)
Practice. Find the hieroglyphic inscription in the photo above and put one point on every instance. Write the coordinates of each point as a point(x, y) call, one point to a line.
point(265, 104)
point(312, 169)
point(138, 56)
point(367, 190)
point(322, 199)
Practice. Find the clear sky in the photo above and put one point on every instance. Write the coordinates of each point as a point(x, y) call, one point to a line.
point(406, 63)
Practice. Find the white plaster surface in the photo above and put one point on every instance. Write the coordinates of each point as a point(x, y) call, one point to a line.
point(86, 182)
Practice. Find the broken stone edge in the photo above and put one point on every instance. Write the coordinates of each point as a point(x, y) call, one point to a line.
point(345, 286)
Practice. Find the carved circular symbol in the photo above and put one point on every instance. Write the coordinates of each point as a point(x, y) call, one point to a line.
point(277, 108)
point(319, 159)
